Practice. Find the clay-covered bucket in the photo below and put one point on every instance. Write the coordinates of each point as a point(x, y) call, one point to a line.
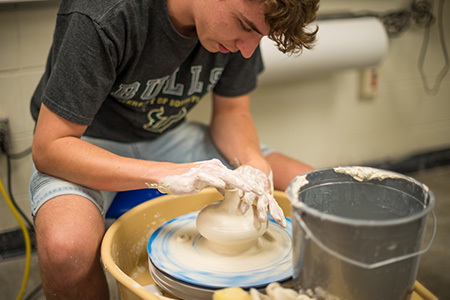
point(358, 232)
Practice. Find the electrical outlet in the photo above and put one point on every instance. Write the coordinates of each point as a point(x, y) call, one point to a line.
point(369, 83)
point(4, 134)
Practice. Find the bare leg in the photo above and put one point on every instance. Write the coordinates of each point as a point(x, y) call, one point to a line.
point(69, 230)
point(285, 169)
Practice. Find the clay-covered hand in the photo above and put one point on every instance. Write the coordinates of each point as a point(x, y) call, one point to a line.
point(265, 201)
point(209, 173)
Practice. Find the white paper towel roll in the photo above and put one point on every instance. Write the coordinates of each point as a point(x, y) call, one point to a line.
point(341, 44)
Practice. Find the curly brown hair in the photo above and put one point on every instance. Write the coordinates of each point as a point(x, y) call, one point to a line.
point(288, 20)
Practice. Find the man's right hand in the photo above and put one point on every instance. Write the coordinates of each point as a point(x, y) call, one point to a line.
point(210, 173)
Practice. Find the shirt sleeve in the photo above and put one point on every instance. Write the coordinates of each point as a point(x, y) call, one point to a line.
point(82, 69)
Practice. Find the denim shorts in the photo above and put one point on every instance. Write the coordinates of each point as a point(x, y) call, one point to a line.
point(188, 142)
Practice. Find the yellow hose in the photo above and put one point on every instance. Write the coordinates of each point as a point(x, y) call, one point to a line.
point(27, 241)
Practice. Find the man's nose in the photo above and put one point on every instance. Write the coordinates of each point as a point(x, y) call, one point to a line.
point(248, 45)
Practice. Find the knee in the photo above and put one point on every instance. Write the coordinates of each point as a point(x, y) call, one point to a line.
point(68, 254)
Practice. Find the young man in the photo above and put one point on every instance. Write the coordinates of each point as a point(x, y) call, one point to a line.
point(110, 110)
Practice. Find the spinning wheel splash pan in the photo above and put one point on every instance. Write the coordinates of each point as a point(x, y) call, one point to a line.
point(177, 250)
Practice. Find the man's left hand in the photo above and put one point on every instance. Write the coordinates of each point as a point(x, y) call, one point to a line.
point(265, 202)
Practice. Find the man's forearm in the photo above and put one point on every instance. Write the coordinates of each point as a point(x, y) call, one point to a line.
point(234, 133)
point(59, 151)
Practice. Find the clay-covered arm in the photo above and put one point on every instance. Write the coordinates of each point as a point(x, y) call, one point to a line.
point(59, 151)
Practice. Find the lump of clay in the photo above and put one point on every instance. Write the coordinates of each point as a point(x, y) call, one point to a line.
point(274, 292)
point(226, 228)
point(232, 293)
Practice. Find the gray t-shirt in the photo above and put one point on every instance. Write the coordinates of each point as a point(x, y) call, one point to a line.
point(120, 67)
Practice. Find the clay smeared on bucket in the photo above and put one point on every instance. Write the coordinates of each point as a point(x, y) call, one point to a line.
point(296, 185)
point(365, 173)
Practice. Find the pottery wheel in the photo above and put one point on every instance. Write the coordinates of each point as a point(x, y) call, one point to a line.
point(178, 251)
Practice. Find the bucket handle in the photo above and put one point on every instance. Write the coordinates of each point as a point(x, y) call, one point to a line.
point(361, 264)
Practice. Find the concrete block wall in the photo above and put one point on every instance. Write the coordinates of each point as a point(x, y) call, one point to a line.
point(25, 38)
point(319, 120)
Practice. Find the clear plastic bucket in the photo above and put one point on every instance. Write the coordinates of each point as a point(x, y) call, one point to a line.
point(358, 232)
